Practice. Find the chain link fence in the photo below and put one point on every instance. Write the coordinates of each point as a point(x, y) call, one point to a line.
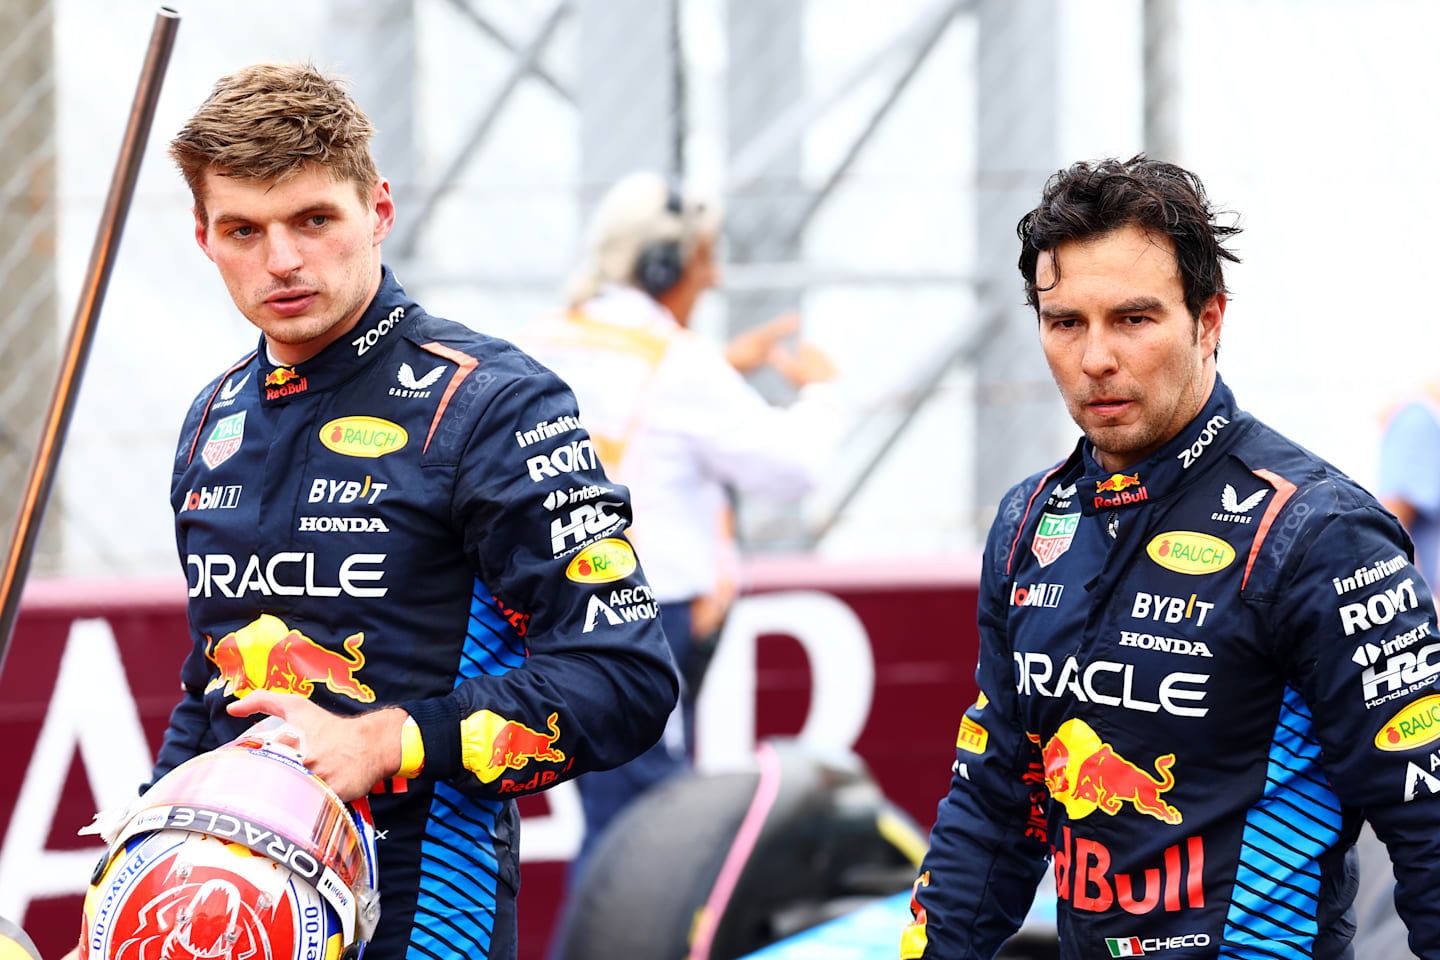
point(872, 160)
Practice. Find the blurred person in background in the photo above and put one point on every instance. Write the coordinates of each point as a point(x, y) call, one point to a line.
point(672, 417)
point(1409, 487)
point(1197, 669)
point(369, 555)
point(1409, 484)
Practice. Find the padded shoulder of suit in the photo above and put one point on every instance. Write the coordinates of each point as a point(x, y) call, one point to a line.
point(1310, 493)
point(200, 404)
point(489, 366)
point(1016, 507)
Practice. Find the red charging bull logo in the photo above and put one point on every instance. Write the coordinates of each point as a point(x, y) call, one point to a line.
point(1117, 482)
point(268, 655)
point(1085, 774)
point(281, 376)
point(491, 744)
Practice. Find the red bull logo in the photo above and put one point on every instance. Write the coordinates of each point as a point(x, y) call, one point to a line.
point(1118, 482)
point(281, 376)
point(268, 655)
point(1085, 774)
point(1083, 876)
point(491, 744)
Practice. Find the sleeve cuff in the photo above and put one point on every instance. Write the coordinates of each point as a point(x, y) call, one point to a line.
point(437, 729)
point(412, 750)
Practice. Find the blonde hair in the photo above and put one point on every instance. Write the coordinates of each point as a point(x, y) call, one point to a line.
point(637, 211)
point(268, 122)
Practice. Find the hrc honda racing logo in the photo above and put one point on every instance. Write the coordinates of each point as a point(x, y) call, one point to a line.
point(585, 525)
point(287, 574)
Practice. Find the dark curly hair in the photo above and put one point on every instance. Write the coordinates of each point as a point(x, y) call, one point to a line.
point(1093, 198)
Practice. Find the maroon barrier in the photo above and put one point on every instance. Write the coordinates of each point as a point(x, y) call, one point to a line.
point(92, 675)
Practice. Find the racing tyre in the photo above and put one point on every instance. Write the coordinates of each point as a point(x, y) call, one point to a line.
point(713, 867)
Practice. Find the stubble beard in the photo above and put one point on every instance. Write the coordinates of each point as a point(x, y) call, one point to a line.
point(1133, 442)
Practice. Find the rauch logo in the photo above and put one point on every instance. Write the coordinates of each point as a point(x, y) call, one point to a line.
point(363, 436)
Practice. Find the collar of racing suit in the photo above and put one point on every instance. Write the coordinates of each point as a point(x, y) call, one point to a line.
point(1169, 469)
point(381, 325)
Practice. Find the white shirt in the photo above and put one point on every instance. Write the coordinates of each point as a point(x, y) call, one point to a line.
point(673, 421)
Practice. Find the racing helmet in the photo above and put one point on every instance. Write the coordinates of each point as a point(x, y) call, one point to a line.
point(238, 854)
point(14, 944)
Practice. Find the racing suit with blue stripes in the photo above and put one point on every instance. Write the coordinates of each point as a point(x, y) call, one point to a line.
point(1197, 677)
point(416, 517)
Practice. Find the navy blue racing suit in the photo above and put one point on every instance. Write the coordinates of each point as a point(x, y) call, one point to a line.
point(416, 517)
point(1197, 677)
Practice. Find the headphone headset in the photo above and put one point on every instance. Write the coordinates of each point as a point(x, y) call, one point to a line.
point(660, 265)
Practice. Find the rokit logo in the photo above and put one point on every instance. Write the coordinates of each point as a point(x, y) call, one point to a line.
point(1379, 608)
point(584, 525)
point(217, 573)
point(1034, 672)
point(323, 490)
point(575, 455)
point(369, 338)
point(213, 498)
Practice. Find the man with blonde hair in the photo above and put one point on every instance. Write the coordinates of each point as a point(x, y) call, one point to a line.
point(673, 418)
point(364, 513)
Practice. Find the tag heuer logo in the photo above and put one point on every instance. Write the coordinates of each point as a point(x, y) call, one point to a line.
point(1053, 536)
point(224, 440)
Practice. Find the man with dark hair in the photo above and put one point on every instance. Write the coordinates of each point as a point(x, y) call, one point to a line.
point(1205, 654)
point(366, 511)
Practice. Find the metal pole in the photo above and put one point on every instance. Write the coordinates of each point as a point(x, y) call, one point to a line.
point(82, 329)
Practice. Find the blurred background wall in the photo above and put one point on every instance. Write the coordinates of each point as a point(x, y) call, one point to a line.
point(873, 159)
